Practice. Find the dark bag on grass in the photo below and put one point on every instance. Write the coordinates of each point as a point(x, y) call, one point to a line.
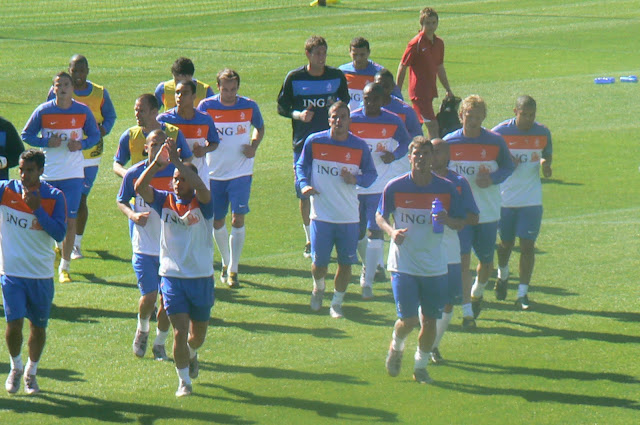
point(448, 119)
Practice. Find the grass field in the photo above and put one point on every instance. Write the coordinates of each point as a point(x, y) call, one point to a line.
point(573, 359)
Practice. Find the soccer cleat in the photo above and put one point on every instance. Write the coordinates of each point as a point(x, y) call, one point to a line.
point(336, 311)
point(76, 253)
point(393, 362)
point(31, 384)
point(380, 275)
point(159, 353)
point(307, 250)
point(194, 367)
point(12, 385)
point(501, 289)
point(316, 300)
point(367, 293)
point(468, 324)
point(233, 280)
point(224, 275)
point(63, 277)
point(421, 376)
point(523, 303)
point(184, 389)
point(436, 357)
point(476, 306)
point(140, 343)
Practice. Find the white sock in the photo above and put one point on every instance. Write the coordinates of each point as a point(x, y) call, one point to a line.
point(397, 343)
point(236, 242)
point(503, 272)
point(192, 352)
point(421, 359)
point(16, 362)
point(161, 337)
point(477, 290)
point(441, 327)
point(318, 285)
point(183, 374)
point(374, 246)
point(221, 236)
point(362, 249)
point(64, 265)
point(78, 241)
point(58, 245)
point(143, 324)
point(522, 290)
point(307, 232)
point(467, 310)
point(338, 297)
point(32, 367)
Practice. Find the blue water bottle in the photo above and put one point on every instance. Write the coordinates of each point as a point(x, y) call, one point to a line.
point(436, 207)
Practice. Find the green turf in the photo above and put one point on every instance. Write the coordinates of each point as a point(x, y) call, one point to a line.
point(267, 359)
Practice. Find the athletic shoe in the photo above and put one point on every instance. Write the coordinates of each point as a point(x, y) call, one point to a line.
point(224, 275)
point(194, 367)
point(184, 389)
point(159, 353)
point(31, 384)
point(13, 381)
point(421, 376)
point(476, 306)
point(316, 300)
point(393, 362)
point(362, 279)
point(336, 311)
point(468, 324)
point(380, 275)
point(436, 357)
point(523, 303)
point(233, 280)
point(367, 293)
point(63, 277)
point(140, 343)
point(76, 253)
point(501, 289)
point(307, 250)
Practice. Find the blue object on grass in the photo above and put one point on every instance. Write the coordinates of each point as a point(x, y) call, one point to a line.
point(604, 80)
point(629, 79)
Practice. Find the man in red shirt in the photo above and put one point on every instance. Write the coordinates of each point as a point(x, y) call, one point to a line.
point(424, 56)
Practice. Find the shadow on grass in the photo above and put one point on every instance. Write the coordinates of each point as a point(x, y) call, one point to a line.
point(277, 373)
point(63, 375)
point(322, 408)
point(106, 255)
point(543, 396)
point(87, 315)
point(329, 333)
point(92, 278)
point(561, 182)
point(77, 408)
point(556, 374)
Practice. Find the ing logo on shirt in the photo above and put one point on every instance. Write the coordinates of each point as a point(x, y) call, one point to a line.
point(535, 157)
point(241, 129)
point(380, 147)
point(484, 169)
point(35, 225)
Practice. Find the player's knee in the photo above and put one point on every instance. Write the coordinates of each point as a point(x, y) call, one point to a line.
point(237, 220)
point(217, 224)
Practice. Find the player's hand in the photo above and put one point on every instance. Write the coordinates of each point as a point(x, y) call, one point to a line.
point(546, 170)
point(309, 190)
point(140, 218)
point(387, 157)
point(74, 145)
point(172, 148)
point(442, 216)
point(198, 150)
point(483, 180)
point(248, 151)
point(31, 198)
point(162, 157)
point(306, 115)
point(398, 236)
point(54, 141)
point(347, 176)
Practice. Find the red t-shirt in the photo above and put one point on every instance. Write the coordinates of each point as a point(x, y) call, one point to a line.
point(423, 58)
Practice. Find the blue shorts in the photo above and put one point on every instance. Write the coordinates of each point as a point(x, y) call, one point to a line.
point(72, 190)
point(411, 292)
point(483, 240)
point(30, 298)
point(235, 191)
point(90, 174)
point(368, 207)
point(146, 270)
point(299, 194)
point(465, 235)
point(454, 284)
point(192, 296)
point(324, 235)
point(523, 222)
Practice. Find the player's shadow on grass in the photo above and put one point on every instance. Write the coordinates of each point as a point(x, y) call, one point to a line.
point(555, 374)
point(322, 408)
point(92, 278)
point(542, 396)
point(87, 315)
point(68, 407)
point(274, 271)
point(106, 255)
point(278, 373)
point(560, 182)
point(63, 375)
point(264, 328)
